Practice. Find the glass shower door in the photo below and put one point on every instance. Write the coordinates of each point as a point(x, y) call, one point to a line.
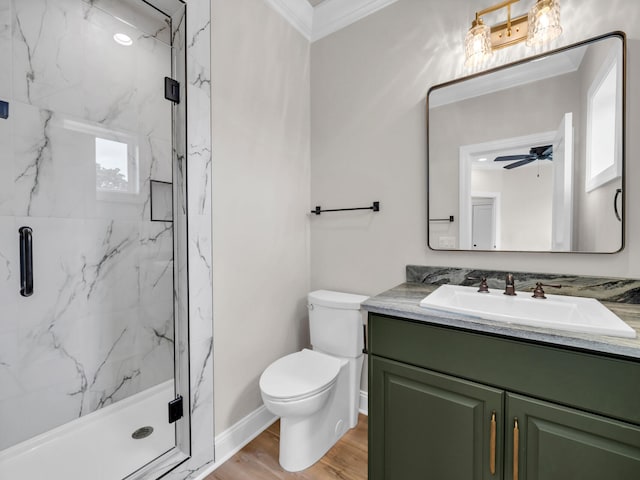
point(87, 174)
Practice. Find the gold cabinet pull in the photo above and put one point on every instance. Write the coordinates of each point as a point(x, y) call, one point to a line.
point(492, 445)
point(516, 441)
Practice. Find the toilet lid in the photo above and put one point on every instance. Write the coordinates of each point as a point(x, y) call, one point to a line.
point(299, 374)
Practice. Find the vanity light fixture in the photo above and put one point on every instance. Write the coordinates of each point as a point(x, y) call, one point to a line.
point(544, 22)
point(540, 25)
point(123, 39)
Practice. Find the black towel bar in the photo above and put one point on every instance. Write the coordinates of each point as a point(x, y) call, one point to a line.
point(450, 219)
point(375, 207)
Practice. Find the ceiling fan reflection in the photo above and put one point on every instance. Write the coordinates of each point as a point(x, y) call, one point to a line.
point(544, 152)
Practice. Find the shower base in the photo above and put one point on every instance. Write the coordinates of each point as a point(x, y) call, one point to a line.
point(99, 445)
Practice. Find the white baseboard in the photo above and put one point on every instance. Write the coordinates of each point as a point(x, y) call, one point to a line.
point(231, 441)
point(364, 402)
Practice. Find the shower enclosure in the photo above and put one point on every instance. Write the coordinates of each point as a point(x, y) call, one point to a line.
point(93, 239)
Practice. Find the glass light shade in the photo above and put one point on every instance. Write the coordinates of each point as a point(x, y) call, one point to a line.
point(544, 22)
point(477, 44)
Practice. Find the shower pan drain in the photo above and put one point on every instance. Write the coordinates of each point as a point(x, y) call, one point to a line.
point(142, 432)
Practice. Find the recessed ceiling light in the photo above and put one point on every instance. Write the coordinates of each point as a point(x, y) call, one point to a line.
point(483, 159)
point(123, 39)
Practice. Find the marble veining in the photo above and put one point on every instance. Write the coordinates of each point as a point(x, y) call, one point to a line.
point(204, 29)
point(203, 154)
point(30, 50)
point(158, 32)
point(41, 152)
point(198, 48)
point(202, 371)
point(99, 326)
point(620, 290)
point(101, 265)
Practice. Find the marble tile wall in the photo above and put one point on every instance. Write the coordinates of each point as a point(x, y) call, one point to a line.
point(99, 326)
point(198, 197)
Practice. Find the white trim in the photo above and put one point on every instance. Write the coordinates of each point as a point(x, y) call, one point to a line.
point(523, 74)
point(231, 441)
point(328, 17)
point(332, 15)
point(299, 13)
point(364, 402)
point(614, 170)
point(562, 199)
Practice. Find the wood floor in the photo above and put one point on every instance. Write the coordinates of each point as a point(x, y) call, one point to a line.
point(258, 460)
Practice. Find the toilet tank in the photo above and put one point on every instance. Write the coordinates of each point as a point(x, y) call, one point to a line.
point(335, 323)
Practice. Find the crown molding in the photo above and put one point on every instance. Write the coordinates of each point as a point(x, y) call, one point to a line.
point(332, 15)
point(328, 17)
point(299, 13)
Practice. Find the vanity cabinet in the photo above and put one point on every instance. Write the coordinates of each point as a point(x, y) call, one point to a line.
point(557, 442)
point(433, 426)
point(443, 405)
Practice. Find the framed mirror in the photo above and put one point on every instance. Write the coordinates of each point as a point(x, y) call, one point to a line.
point(530, 156)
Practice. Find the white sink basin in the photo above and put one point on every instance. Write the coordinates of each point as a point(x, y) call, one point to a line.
point(557, 312)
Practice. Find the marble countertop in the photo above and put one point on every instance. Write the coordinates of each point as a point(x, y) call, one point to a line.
point(404, 301)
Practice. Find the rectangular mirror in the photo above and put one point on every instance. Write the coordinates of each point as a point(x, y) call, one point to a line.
point(530, 156)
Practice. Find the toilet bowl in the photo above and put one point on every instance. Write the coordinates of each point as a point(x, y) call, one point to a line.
point(301, 389)
point(299, 384)
point(316, 392)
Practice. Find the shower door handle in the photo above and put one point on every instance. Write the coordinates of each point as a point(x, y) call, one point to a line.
point(26, 261)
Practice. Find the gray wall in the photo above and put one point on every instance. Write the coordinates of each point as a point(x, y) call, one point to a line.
point(368, 87)
point(369, 82)
point(260, 199)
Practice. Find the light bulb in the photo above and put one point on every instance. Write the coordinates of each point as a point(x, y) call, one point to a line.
point(477, 44)
point(543, 20)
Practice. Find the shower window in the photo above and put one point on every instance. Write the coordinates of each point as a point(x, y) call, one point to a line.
point(112, 166)
point(116, 167)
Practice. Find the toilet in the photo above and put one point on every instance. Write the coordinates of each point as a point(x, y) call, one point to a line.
point(316, 393)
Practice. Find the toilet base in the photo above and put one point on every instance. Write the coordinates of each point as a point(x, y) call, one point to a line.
point(305, 440)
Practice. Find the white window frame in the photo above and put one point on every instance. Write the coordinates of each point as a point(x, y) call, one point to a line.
point(614, 170)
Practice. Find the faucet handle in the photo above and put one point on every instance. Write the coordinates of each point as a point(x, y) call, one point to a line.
point(484, 288)
point(538, 292)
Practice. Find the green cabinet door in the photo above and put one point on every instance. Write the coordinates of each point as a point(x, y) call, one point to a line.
point(428, 426)
point(560, 443)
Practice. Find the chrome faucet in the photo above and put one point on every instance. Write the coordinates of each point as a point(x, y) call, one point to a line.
point(509, 287)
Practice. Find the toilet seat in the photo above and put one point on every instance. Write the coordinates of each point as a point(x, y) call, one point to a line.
point(299, 375)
